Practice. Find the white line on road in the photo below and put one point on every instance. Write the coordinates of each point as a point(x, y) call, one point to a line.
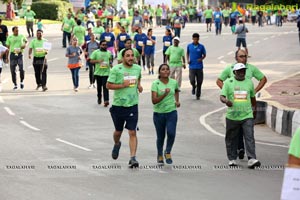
point(229, 53)
point(266, 38)
point(202, 120)
point(256, 42)
point(52, 59)
point(74, 145)
point(29, 126)
point(219, 58)
point(222, 62)
point(8, 110)
point(1, 100)
point(272, 36)
point(250, 45)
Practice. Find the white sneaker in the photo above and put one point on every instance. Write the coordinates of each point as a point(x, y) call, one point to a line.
point(232, 163)
point(252, 163)
point(91, 86)
point(76, 89)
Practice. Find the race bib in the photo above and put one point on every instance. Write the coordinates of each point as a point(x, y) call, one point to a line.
point(136, 21)
point(66, 26)
point(217, 16)
point(177, 21)
point(122, 38)
point(149, 43)
point(104, 65)
point(132, 80)
point(140, 43)
point(240, 95)
point(39, 51)
point(107, 38)
point(167, 43)
point(17, 50)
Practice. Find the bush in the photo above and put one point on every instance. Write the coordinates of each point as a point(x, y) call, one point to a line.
point(53, 10)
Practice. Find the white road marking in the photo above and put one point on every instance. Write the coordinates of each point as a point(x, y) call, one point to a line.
point(266, 38)
point(250, 45)
point(52, 59)
point(272, 36)
point(8, 110)
point(1, 100)
point(222, 62)
point(219, 58)
point(229, 53)
point(74, 145)
point(256, 42)
point(29, 126)
point(202, 120)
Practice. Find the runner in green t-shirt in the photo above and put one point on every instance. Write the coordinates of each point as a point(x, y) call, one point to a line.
point(165, 99)
point(39, 60)
point(208, 17)
point(158, 14)
point(79, 33)
point(103, 59)
point(29, 17)
point(16, 44)
point(98, 29)
point(175, 56)
point(125, 79)
point(128, 45)
point(126, 23)
point(67, 28)
point(239, 96)
point(294, 151)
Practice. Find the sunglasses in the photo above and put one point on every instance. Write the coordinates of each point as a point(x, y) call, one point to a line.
point(243, 56)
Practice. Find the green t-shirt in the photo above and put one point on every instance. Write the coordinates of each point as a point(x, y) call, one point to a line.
point(159, 12)
point(251, 72)
point(295, 144)
point(81, 16)
point(68, 24)
point(101, 69)
point(130, 11)
point(208, 13)
point(239, 93)
point(98, 31)
point(185, 13)
point(168, 103)
point(79, 32)
point(125, 22)
point(37, 47)
point(29, 16)
point(175, 56)
point(253, 12)
point(15, 43)
point(128, 96)
point(136, 54)
point(226, 12)
point(191, 11)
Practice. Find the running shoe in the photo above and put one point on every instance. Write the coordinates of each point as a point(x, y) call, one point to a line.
point(22, 86)
point(115, 151)
point(252, 163)
point(38, 87)
point(15, 87)
point(133, 163)
point(45, 88)
point(106, 103)
point(168, 158)
point(232, 163)
point(160, 160)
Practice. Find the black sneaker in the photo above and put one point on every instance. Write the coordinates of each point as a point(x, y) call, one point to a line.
point(160, 160)
point(15, 87)
point(115, 151)
point(99, 101)
point(241, 153)
point(193, 91)
point(133, 163)
point(22, 86)
point(45, 88)
point(168, 158)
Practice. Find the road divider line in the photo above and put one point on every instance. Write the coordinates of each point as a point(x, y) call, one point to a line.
point(266, 38)
point(202, 120)
point(29, 126)
point(1, 100)
point(229, 53)
point(52, 59)
point(256, 42)
point(219, 58)
point(71, 144)
point(222, 62)
point(9, 111)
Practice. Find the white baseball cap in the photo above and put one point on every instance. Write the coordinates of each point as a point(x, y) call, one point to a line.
point(176, 38)
point(239, 66)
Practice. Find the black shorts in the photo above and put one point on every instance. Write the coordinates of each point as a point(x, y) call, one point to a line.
point(208, 20)
point(240, 41)
point(120, 115)
point(0, 70)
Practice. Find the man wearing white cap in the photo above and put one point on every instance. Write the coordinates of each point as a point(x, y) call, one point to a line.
point(239, 96)
point(176, 59)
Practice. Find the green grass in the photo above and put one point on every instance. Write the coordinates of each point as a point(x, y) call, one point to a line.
point(21, 22)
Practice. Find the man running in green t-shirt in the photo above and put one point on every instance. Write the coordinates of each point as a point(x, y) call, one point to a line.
point(29, 17)
point(39, 60)
point(208, 13)
point(125, 80)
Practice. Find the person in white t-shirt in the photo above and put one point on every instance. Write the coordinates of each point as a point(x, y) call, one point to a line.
point(3, 51)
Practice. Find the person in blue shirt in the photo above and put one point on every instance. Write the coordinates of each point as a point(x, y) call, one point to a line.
point(139, 44)
point(120, 42)
point(109, 37)
point(167, 41)
point(218, 20)
point(195, 55)
point(149, 50)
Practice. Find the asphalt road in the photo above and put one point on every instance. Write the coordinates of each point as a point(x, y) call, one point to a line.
point(57, 144)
